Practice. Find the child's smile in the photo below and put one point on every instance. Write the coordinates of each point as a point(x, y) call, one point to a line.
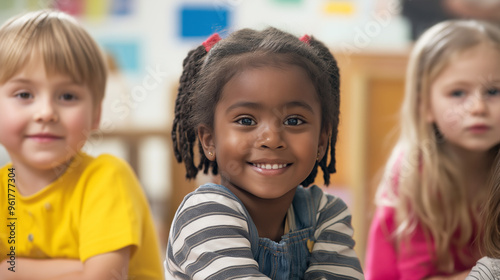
point(267, 131)
point(268, 168)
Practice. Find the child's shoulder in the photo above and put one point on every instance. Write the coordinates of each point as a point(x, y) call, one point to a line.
point(104, 163)
point(318, 204)
point(106, 160)
point(92, 173)
point(317, 197)
point(212, 196)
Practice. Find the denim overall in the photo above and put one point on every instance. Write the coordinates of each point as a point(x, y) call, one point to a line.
point(289, 258)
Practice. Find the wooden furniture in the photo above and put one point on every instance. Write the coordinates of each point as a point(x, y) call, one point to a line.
point(372, 89)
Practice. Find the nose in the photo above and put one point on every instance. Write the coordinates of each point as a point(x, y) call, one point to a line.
point(46, 112)
point(478, 104)
point(270, 137)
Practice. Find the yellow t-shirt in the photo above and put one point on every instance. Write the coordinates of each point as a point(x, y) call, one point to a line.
point(96, 206)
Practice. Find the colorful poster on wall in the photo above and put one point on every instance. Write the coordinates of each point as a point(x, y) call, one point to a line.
point(93, 9)
point(288, 1)
point(202, 21)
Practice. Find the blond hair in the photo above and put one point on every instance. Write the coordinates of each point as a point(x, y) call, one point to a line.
point(491, 239)
point(431, 191)
point(64, 46)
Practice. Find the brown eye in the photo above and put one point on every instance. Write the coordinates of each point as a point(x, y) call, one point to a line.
point(24, 95)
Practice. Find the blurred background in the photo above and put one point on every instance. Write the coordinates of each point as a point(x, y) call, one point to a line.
point(145, 42)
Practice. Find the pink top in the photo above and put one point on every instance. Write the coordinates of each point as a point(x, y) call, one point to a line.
point(415, 258)
point(412, 259)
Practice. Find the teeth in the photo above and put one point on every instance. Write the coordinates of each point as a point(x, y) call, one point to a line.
point(269, 166)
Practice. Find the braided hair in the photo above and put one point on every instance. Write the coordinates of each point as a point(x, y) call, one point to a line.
point(205, 74)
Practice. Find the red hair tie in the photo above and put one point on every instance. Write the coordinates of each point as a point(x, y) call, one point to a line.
point(211, 41)
point(306, 38)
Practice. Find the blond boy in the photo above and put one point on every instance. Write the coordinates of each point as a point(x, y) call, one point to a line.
point(67, 215)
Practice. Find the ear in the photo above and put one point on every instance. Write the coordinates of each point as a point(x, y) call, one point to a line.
point(96, 118)
point(324, 137)
point(207, 141)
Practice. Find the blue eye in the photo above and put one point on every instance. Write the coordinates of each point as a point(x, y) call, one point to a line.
point(493, 92)
point(457, 93)
point(293, 121)
point(68, 97)
point(24, 95)
point(246, 121)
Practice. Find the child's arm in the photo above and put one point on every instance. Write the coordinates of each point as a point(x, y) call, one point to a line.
point(333, 255)
point(112, 265)
point(32, 268)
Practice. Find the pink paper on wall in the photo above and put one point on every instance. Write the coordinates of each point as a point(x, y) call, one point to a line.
point(72, 7)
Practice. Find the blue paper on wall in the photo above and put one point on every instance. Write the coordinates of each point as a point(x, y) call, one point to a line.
point(121, 7)
point(125, 52)
point(202, 21)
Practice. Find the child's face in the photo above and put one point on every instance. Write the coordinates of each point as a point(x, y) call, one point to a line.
point(267, 131)
point(465, 99)
point(44, 120)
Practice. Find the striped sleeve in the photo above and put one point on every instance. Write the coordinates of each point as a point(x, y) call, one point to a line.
point(333, 256)
point(209, 239)
point(485, 269)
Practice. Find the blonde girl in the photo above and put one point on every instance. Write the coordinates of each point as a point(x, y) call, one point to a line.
point(434, 185)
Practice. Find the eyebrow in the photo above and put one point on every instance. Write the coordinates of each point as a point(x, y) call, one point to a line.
point(254, 105)
point(28, 81)
point(20, 80)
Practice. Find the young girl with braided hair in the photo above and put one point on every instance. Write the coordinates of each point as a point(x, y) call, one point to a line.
point(264, 107)
point(427, 219)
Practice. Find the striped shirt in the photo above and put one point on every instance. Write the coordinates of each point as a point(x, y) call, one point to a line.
point(485, 269)
point(213, 237)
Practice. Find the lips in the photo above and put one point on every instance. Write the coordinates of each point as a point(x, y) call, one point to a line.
point(480, 128)
point(44, 137)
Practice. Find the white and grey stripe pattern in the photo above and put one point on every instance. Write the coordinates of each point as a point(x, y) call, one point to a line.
point(485, 269)
point(210, 239)
point(333, 253)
